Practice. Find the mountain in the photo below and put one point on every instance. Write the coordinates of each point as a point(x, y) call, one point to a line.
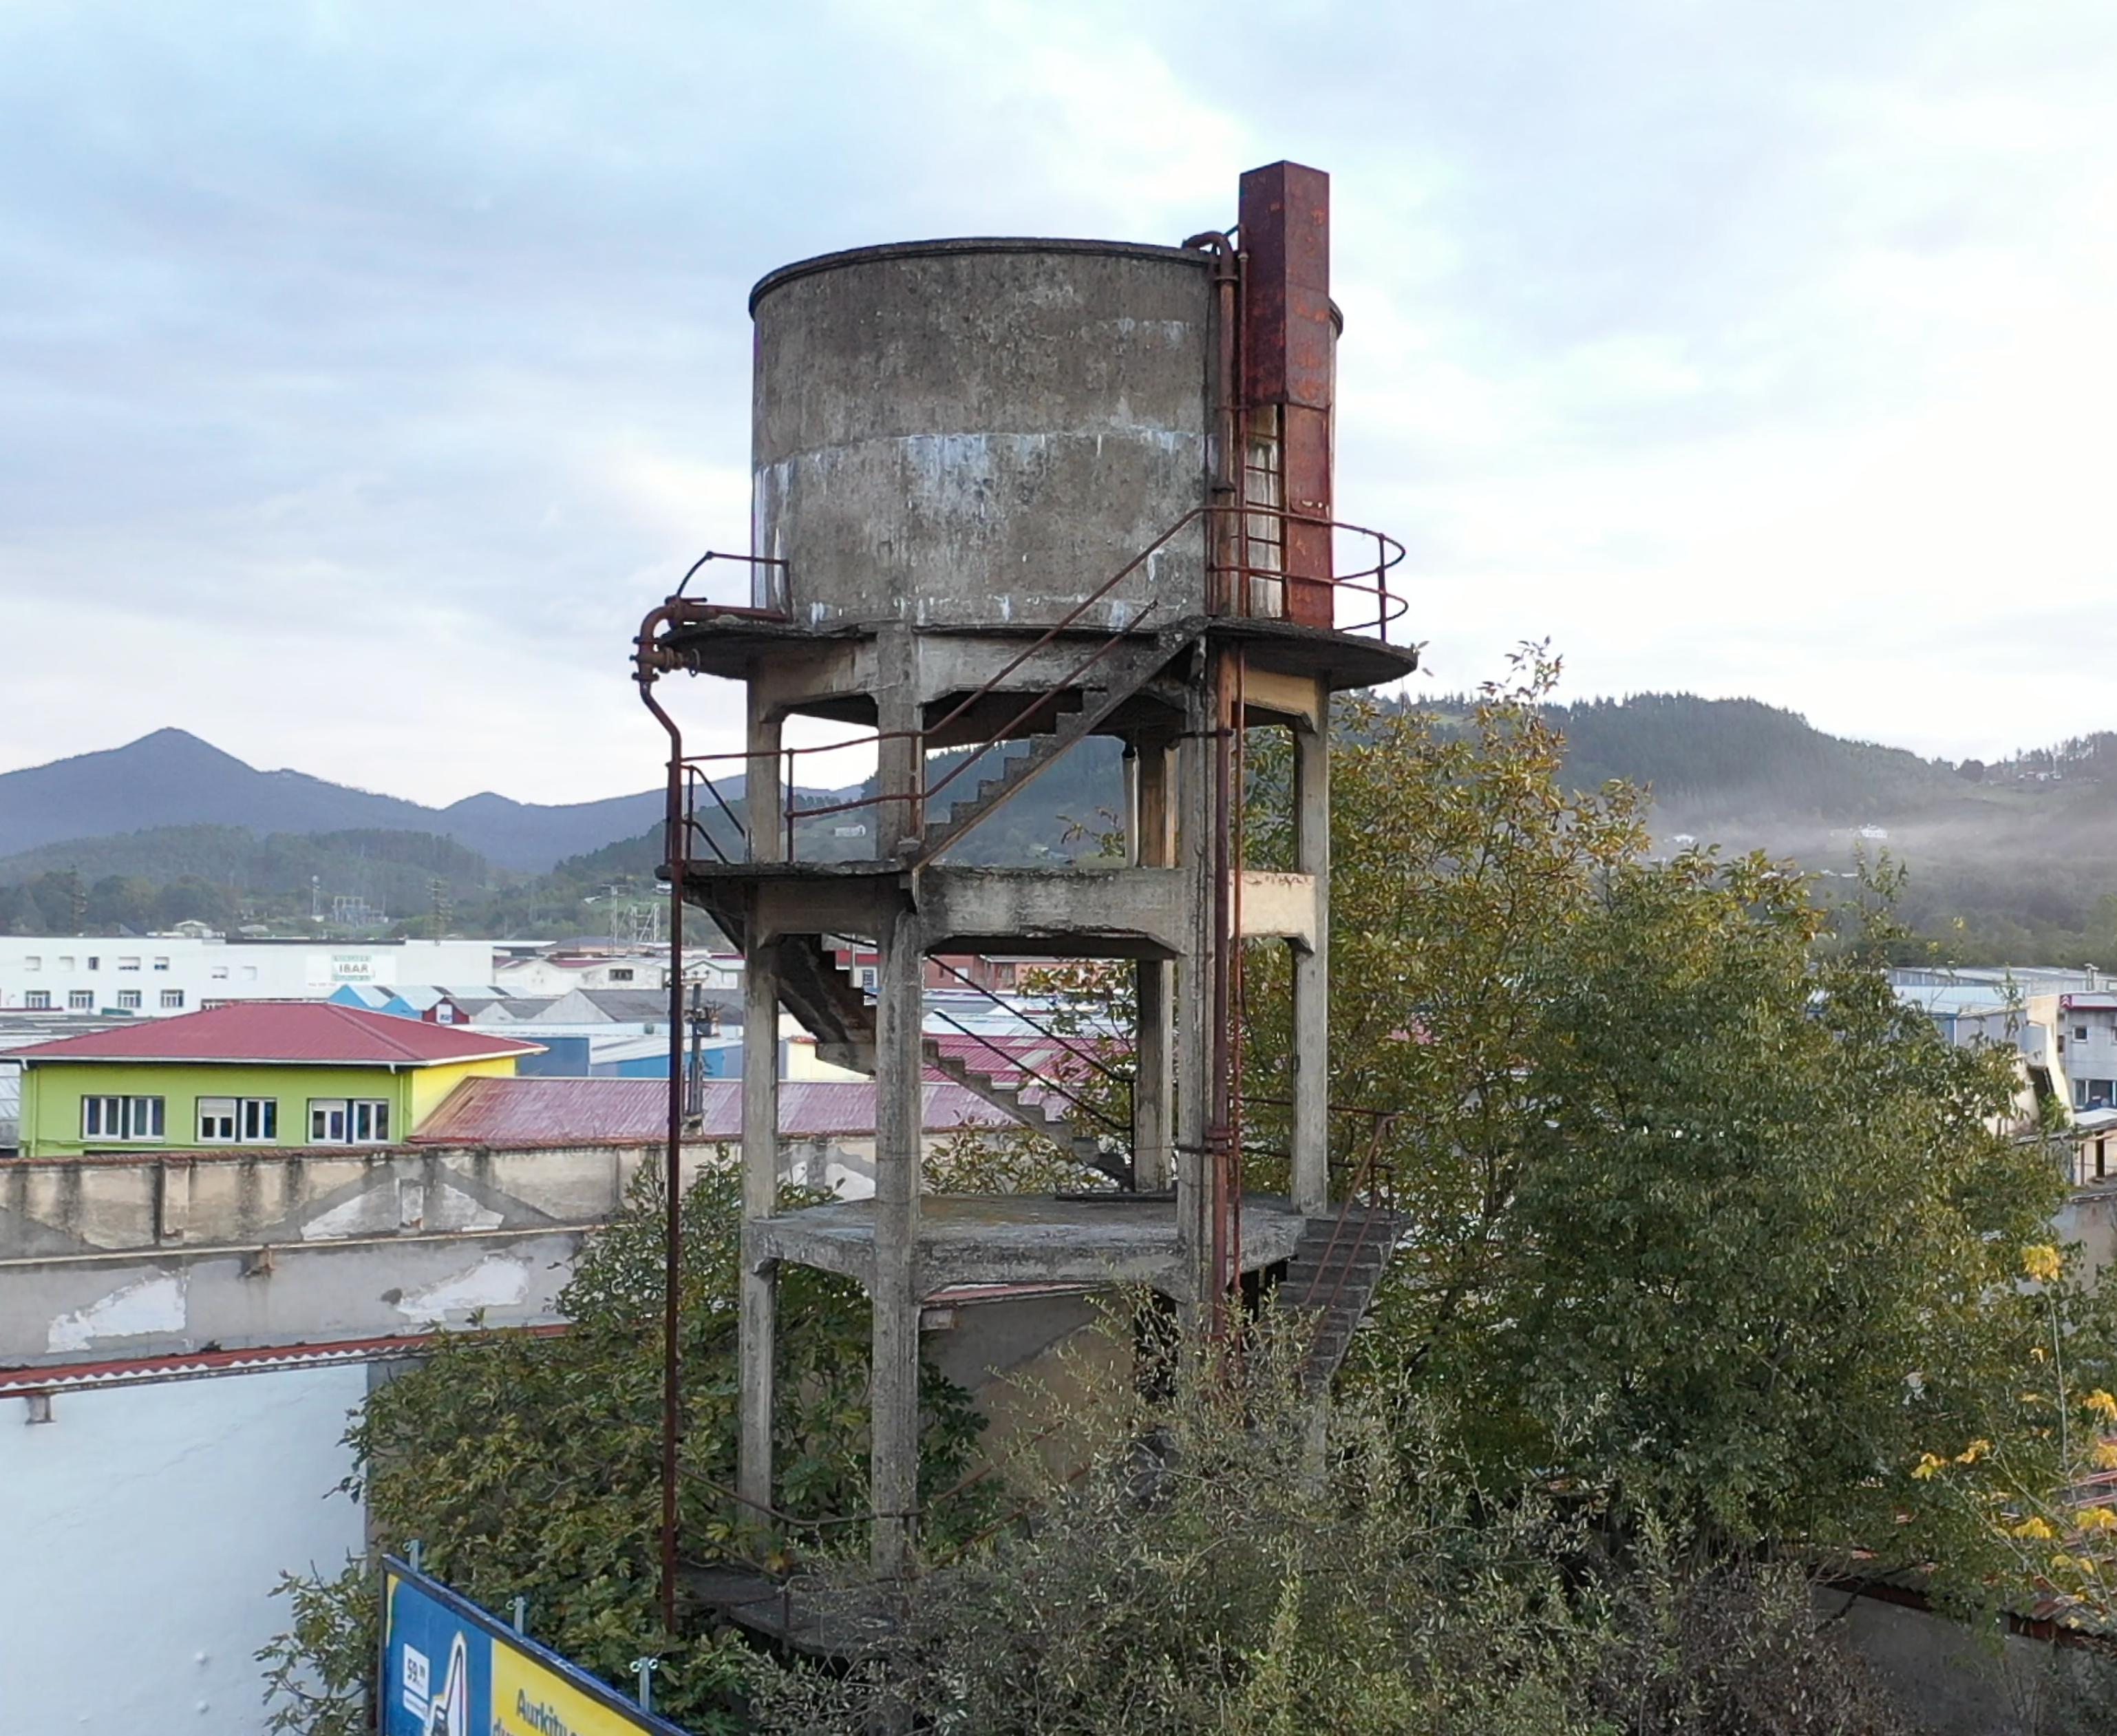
point(1742, 758)
point(173, 778)
point(2014, 862)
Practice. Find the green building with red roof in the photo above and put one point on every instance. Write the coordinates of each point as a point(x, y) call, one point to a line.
point(272, 1073)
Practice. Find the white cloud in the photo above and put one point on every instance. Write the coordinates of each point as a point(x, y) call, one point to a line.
point(370, 369)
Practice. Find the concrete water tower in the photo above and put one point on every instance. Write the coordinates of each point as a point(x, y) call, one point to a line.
point(1008, 495)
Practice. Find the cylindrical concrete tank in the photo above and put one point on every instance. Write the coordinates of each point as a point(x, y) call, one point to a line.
point(980, 433)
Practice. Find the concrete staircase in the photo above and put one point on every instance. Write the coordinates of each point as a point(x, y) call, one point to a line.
point(835, 1010)
point(1335, 1269)
point(1086, 1149)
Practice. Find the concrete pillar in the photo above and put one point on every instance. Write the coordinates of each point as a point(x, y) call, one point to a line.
point(759, 1290)
point(764, 798)
point(900, 759)
point(1154, 1080)
point(1312, 968)
point(1194, 994)
point(1150, 835)
point(894, 1384)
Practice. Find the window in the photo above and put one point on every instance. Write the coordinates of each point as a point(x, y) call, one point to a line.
point(173, 999)
point(65, 964)
point(128, 1001)
point(220, 973)
point(2080, 1033)
point(161, 964)
point(37, 1000)
point(95, 963)
point(620, 976)
point(229, 1120)
point(80, 1000)
point(121, 1118)
point(348, 1120)
point(33, 962)
point(128, 964)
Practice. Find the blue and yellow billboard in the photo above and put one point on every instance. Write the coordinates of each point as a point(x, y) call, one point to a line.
point(449, 1668)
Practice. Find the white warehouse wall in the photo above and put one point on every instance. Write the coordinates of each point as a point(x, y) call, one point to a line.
point(103, 969)
point(145, 1529)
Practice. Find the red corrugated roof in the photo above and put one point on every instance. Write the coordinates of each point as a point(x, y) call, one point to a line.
point(556, 1111)
point(322, 1032)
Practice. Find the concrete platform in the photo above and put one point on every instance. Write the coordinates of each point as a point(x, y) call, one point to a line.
point(1020, 1238)
point(1031, 913)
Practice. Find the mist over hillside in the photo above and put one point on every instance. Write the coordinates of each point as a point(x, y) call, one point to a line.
point(2014, 861)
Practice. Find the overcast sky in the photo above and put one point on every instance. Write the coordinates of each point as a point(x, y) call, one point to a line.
point(366, 370)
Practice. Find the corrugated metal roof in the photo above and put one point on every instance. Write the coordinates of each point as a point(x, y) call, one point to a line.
point(319, 1031)
point(557, 1112)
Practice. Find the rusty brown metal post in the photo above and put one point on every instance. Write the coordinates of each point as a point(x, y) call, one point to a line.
point(1288, 362)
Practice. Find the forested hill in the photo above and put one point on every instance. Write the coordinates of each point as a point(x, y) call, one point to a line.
point(2013, 862)
point(1743, 757)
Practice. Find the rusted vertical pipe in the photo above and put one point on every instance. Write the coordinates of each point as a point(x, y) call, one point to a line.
point(675, 846)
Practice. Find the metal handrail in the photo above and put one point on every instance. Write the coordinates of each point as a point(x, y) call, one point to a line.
point(1068, 1044)
point(776, 581)
point(1369, 1170)
point(1237, 590)
point(1072, 1096)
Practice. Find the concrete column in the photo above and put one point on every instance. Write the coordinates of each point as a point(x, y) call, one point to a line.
point(1312, 968)
point(1151, 835)
point(764, 799)
point(759, 1290)
point(1154, 1075)
point(894, 1386)
point(1194, 993)
point(900, 759)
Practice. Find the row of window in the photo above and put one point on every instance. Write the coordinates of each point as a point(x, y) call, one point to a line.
point(239, 1120)
point(94, 961)
point(83, 1000)
point(34, 962)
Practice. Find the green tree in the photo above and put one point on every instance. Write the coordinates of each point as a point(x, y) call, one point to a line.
point(121, 901)
point(1699, 1218)
point(1196, 1567)
point(528, 1464)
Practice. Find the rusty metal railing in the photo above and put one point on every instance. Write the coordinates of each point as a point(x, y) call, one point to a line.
point(1241, 589)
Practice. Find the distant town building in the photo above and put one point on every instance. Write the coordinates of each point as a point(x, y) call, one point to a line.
point(160, 975)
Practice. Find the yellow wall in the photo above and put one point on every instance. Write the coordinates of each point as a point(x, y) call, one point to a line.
point(430, 1084)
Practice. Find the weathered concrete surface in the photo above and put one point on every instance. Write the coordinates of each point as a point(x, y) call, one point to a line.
point(1280, 906)
point(252, 1199)
point(103, 1259)
point(1106, 913)
point(982, 430)
point(2090, 1217)
point(1019, 1239)
point(66, 1311)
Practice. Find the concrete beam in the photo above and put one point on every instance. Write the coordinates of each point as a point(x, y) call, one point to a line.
point(1279, 907)
point(1083, 913)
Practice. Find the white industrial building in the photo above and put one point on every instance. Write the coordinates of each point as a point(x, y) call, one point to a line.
point(161, 974)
